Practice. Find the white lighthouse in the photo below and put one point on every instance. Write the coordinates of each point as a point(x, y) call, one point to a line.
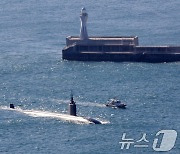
point(83, 30)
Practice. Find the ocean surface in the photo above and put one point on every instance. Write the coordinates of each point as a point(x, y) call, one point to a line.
point(38, 82)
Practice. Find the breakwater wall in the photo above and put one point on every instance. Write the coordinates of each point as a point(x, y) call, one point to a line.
point(122, 53)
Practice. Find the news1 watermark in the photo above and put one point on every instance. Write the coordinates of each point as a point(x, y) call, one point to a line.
point(164, 140)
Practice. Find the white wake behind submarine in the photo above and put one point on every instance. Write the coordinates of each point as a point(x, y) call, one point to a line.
point(71, 117)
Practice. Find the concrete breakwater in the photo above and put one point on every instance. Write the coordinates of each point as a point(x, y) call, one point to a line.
point(121, 53)
point(114, 48)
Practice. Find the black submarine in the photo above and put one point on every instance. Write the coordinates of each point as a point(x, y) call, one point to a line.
point(72, 111)
point(72, 116)
point(114, 48)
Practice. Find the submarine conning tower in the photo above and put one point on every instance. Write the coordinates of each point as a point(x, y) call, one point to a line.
point(72, 107)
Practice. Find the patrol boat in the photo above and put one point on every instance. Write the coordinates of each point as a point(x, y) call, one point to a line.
point(115, 103)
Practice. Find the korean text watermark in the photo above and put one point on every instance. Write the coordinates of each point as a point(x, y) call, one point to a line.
point(164, 140)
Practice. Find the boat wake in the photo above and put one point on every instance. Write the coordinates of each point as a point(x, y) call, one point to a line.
point(60, 101)
point(54, 115)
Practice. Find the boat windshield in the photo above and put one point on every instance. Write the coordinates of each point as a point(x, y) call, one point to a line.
point(118, 101)
point(114, 101)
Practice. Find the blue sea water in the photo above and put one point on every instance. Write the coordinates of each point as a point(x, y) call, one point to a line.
point(34, 77)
